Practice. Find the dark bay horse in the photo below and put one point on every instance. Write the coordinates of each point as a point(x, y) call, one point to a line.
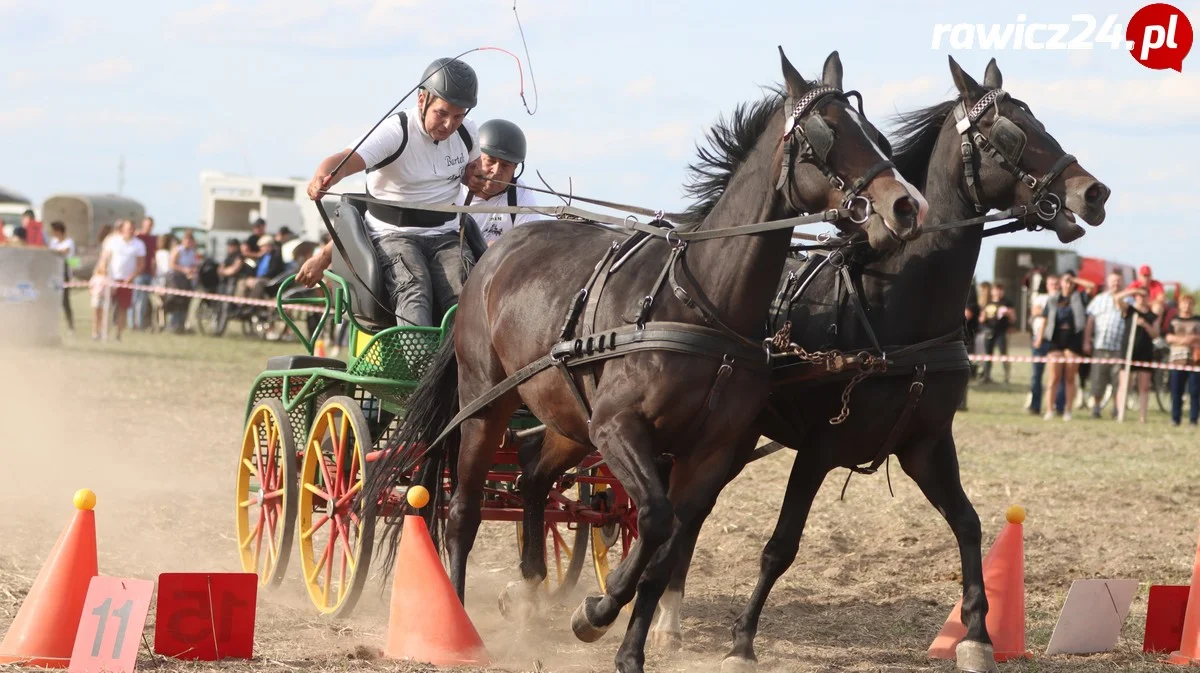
point(646, 404)
point(912, 294)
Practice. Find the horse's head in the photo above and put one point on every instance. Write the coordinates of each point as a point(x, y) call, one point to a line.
point(1010, 160)
point(831, 156)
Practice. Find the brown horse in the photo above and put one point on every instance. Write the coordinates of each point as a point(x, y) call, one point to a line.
point(696, 402)
point(913, 294)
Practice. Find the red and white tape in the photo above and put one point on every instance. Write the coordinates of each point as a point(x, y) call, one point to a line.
point(1096, 361)
point(158, 289)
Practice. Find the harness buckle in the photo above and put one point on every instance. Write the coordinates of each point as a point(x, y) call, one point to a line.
point(838, 183)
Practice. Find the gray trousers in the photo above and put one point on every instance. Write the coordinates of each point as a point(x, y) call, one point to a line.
point(1102, 375)
point(422, 274)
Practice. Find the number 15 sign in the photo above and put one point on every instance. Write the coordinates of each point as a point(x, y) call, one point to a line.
point(206, 616)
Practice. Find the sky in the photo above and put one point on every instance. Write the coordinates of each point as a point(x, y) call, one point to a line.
point(625, 91)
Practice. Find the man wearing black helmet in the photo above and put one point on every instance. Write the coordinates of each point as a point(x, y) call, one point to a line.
point(417, 156)
point(503, 146)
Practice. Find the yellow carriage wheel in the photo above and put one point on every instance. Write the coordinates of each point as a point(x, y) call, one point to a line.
point(266, 493)
point(336, 534)
point(608, 538)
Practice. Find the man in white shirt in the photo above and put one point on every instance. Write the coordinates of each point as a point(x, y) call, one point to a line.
point(503, 146)
point(417, 156)
point(122, 259)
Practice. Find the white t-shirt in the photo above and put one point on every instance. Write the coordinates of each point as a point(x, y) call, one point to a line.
point(66, 245)
point(123, 256)
point(427, 171)
point(494, 225)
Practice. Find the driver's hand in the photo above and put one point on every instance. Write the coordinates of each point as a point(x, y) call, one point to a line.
point(312, 271)
point(318, 184)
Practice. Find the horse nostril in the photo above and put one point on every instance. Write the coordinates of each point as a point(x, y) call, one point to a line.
point(905, 208)
point(1096, 194)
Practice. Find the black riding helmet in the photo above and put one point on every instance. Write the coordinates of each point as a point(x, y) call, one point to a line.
point(502, 139)
point(456, 83)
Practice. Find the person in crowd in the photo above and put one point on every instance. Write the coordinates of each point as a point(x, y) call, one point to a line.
point(1086, 290)
point(34, 234)
point(970, 327)
point(1103, 339)
point(503, 147)
point(232, 266)
point(268, 267)
point(1062, 334)
point(141, 298)
point(995, 322)
point(417, 157)
point(1037, 321)
point(286, 242)
point(20, 236)
point(64, 246)
point(121, 260)
point(1145, 280)
point(1183, 336)
point(258, 229)
point(1142, 329)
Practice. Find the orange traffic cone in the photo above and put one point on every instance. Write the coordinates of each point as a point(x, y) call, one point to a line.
point(427, 622)
point(1004, 585)
point(43, 634)
point(319, 348)
point(1189, 644)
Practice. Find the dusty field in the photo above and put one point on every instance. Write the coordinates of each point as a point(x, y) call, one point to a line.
point(152, 424)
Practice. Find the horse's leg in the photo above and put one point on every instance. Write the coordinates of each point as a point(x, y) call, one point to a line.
point(625, 442)
point(695, 485)
point(933, 465)
point(808, 472)
point(481, 438)
point(543, 458)
point(667, 632)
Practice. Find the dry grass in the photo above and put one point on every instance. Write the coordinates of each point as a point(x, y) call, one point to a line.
point(151, 425)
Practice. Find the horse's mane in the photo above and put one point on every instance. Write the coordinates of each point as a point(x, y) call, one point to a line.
point(917, 133)
point(730, 143)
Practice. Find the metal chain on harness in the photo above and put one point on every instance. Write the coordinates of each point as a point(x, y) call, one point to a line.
point(871, 365)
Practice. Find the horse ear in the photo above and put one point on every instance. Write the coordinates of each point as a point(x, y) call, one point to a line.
point(832, 75)
point(967, 86)
point(992, 79)
point(796, 85)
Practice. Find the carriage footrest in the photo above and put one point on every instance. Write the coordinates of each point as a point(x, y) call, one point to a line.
point(286, 362)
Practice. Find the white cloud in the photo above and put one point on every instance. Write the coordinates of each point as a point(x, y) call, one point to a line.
point(97, 72)
point(641, 86)
point(1167, 98)
point(107, 70)
point(19, 117)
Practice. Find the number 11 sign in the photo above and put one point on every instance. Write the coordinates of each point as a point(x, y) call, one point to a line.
point(110, 628)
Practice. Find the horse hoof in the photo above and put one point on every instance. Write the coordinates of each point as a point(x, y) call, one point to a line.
point(583, 628)
point(738, 665)
point(666, 641)
point(975, 657)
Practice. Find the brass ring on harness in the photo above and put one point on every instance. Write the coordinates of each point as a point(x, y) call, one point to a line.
point(867, 210)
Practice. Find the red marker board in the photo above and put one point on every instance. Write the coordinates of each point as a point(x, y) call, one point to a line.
point(110, 628)
point(206, 616)
point(1165, 609)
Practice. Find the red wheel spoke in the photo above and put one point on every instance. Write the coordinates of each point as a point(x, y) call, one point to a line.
point(329, 549)
point(325, 518)
point(258, 533)
point(339, 452)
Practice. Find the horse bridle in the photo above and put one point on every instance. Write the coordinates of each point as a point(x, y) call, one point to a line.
point(1005, 145)
point(810, 140)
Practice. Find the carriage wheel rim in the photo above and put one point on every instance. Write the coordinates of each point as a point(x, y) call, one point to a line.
point(264, 493)
point(333, 470)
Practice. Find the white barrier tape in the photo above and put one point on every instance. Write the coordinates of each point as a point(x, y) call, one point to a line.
point(1097, 361)
point(157, 289)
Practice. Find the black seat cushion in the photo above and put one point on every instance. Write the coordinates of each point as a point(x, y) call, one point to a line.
point(351, 228)
point(287, 362)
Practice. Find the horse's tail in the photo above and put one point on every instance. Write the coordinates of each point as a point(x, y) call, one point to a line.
point(408, 456)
